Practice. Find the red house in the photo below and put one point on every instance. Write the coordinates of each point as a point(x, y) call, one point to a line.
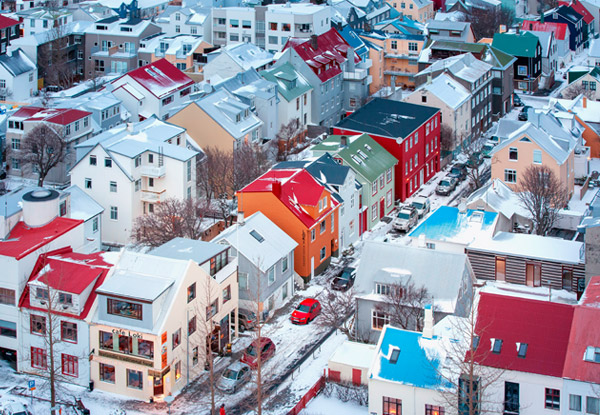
point(410, 132)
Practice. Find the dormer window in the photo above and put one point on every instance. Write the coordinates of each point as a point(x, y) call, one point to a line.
point(592, 354)
point(41, 293)
point(238, 117)
point(496, 346)
point(65, 298)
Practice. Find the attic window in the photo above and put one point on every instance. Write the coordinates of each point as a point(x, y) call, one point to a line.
point(394, 356)
point(592, 354)
point(257, 236)
point(496, 346)
point(522, 350)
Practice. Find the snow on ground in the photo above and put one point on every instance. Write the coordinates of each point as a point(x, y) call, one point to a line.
point(323, 405)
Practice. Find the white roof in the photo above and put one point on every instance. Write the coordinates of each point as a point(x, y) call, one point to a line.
point(83, 206)
point(296, 8)
point(175, 44)
point(354, 354)
point(594, 51)
point(588, 111)
point(464, 66)
point(246, 55)
point(501, 198)
point(531, 246)
point(448, 90)
point(264, 254)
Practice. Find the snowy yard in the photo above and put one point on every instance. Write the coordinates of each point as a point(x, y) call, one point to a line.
point(323, 405)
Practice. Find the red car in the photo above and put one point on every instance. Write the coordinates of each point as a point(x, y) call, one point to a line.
point(306, 311)
point(267, 350)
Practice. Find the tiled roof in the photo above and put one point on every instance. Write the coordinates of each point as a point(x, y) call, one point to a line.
point(161, 78)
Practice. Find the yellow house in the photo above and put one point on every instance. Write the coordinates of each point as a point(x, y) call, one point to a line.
point(421, 10)
point(533, 145)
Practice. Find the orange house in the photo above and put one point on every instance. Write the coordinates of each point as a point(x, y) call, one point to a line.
point(302, 208)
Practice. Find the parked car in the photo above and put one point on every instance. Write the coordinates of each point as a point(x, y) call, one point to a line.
point(517, 101)
point(247, 319)
point(306, 311)
point(475, 159)
point(344, 280)
point(406, 219)
point(15, 408)
point(523, 115)
point(446, 186)
point(487, 149)
point(458, 172)
point(234, 377)
point(250, 355)
point(421, 203)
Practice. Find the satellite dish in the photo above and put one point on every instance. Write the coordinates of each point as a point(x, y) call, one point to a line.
point(207, 88)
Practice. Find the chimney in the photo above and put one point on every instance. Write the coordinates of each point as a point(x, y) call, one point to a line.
point(401, 17)
point(276, 188)
point(584, 103)
point(429, 79)
point(350, 57)
point(344, 141)
point(428, 322)
point(240, 218)
point(130, 126)
point(314, 42)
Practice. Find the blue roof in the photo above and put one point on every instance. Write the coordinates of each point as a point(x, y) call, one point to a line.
point(325, 169)
point(355, 41)
point(448, 224)
point(418, 362)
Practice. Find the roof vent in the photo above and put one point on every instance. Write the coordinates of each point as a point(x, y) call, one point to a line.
point(40, 207)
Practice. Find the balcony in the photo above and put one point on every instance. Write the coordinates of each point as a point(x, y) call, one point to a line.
point(356, 75)
point(366, 64)
point(150, 196)
point(398, 72)
point(153, 171)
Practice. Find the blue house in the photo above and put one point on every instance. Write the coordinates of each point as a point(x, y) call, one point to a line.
point(575, 22)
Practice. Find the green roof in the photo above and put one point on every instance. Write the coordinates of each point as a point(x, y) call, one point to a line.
point(290, 83)
point(522, 44)
point(490, 54)
point(362, 154)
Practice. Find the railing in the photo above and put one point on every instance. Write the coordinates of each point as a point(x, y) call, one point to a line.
point(153, 171)
point(356, 75)
point(152, 197)
point(312, 392)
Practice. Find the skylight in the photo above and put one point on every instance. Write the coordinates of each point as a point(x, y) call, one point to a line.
point(522, 351)
point(394, 356)
point(257, 236)
point(368, 147)
point(497, 346)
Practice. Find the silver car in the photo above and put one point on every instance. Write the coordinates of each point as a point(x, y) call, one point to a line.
point(234, 377)
point(446, 186)
point(422, 205)
point(406, 219)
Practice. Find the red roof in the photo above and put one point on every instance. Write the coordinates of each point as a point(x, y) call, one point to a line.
point(559, 29)
point(296, 188)
point(580, 8)
point(80, 270)
point(543, 325)
point(61, 116)
point(7, 22)
point(161, 78)
point(24, 240)
point(326, 59)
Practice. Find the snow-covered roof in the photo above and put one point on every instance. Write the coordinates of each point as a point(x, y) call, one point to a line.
point(17, 63)
point(447, 90)
point(137, 26)
point(354, 354)
point(531, 246)
point(545, 40)
point(249, 84)
point(189, 249)
point(160, 78)
point(464, 66)
point(259, 240)
point(594, 51)
point(296, 8)
point(586, 109)
point(174, 45)
point(83, 206)
point(499, 197)
point(11, 202)
point(245, 55)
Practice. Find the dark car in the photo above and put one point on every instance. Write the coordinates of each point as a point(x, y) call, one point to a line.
point(306, 311)
point(523, 115)
point(267, 350)
point(458, 172)
point(517, 101)
point(247, 319)
point(345, 280)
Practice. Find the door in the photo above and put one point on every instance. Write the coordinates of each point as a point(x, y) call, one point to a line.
point(381, 208)
point(533, 275)
point(356, 376)
point(500, 269)
point(158, 385)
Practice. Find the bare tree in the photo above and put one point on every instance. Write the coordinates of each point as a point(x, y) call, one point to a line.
point(447, 138)
point(336, 307)
point(474, 162)
point(171, 219)
point(543, 194)
point(42, 149)
point(404, 304)
point(215, 173)
point(485, 22)
point(287, 138)
point(250, 161)
point(574, 90)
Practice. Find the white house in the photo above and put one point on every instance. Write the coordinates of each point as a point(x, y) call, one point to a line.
point(81, 206)
point(18, 76)
point(232, 59)
point(265, 262)
point(186, 21)
point(39, 19)
point(41, 230)
point(54, 309)
point(155, 89)
point(232, 25)
point(129, 168)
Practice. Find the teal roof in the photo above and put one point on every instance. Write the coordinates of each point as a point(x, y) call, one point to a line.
point(362, 154)
point(290, 83)
point(523, 44)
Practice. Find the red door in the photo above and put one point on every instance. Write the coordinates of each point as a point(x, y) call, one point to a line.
point(382, 208)
point(356, 376)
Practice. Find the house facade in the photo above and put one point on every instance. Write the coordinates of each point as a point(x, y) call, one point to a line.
point(528, 51)
point(574, 21)
point(561, 35)
point(420, 10)
point(409, 132)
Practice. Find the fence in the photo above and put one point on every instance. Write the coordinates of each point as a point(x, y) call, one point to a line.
point(314, 391)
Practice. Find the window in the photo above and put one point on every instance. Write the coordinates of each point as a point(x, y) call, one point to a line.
point(388, 175)
point(114, 213)
point(592, 354)
point(135, 379)
point(374, 212)
point(413, 46)
point(394, 44)
point(192, 325)
point(38, 358)
point(379, 319)
point(510, 176)
point(212, 309)
point(434, 410)
point(537, 156)
point(218, 262)
point(273, 39)
point(322, 226)
point(106, 340)
point(93, 161)
point(497, 346)
point(88, 183)
point(323, 253)
point(177, 371)
point(522, 70)
point(511, 398)
point(575, 403)
point(191, 292)
point(138, 185)
point(271, 274)
point(107, 162)
point(189, 170)
point(226, 294)
point(584, 84)
point(124, 309)
point(69, 365)
point(284, 265)
point(567, 279)
point(113, 187)
point(246, 24)
point(313, 234)
point(243, 280)
point(8, 296)
point(68, 331)
point(37, 324)
point(468, 395)
point(176, 338)
point(381, 183)
point(107, 373)
point(146, 348)
point(195, 355)
point(513, 154)
point(392, 406)
point(333, 220)
point(592, 405)
point(552, 400)
point(522, 350)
